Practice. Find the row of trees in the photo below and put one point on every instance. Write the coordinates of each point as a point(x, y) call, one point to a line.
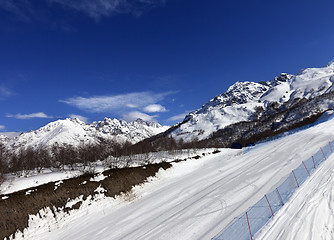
point(26, 159)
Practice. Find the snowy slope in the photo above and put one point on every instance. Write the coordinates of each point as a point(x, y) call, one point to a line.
point(195, 199)
point(74, 132)
point(309, 213)
point(241, 100)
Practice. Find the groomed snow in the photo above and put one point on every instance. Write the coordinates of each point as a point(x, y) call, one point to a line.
point(195, 199)
point(309, 214)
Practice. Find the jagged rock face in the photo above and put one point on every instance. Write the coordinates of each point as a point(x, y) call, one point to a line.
point(244, 101)
point(283, 77)
point(75, 132)
point(225, 109)
point(121, 131)
point(238, 93)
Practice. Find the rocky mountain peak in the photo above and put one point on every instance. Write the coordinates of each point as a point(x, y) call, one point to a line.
point(283, 77)
point(244, 101)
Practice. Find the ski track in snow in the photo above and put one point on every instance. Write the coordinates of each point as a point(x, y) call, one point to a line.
point(309, 214)
point(197, 199)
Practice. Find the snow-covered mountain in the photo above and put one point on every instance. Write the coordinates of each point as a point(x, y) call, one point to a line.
point(122, 131)
point(244, 101)
point(74, 132)
point(4, 139)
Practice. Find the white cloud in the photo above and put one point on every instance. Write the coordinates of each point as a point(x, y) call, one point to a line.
point(116, 103)
point(155, 108)
point(178, 117)
point(2, 127)
point(29, 116)
point(132, 116)
point(5, 92)
point(81, 118)
point(105, 8)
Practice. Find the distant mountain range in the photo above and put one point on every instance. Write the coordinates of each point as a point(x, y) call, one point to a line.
point(74, 132)
point(246, 112)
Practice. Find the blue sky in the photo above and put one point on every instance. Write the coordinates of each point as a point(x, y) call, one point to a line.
point(143, 58)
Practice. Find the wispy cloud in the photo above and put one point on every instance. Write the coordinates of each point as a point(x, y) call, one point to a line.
point(82, 118)
point(129, 106)
point(113, 103)
point(30, 10)
point(155, 108)
point(2, 127)
point(21, 9)
point(5, 92)
point(178, 117)
point(97, 9)
point(29, 116)
point(131, 116)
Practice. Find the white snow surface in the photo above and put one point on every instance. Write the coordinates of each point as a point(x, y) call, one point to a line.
point(74, 132)
point(308, 215)
point(239, 102)
point(196, 199)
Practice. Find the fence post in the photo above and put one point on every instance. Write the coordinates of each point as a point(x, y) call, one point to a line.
point(295, 178)
point(323, 153)
point(272, 213)
point(330, 145)
point(280, 196)
point(250, 233)
point(313, 162)
point(306, 169)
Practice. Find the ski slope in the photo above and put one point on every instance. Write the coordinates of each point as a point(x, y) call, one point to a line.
point(310, 212)
point(195, 199)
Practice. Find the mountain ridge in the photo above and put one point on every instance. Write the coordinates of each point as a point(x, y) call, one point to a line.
point(74, 132)
point(243, 100)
